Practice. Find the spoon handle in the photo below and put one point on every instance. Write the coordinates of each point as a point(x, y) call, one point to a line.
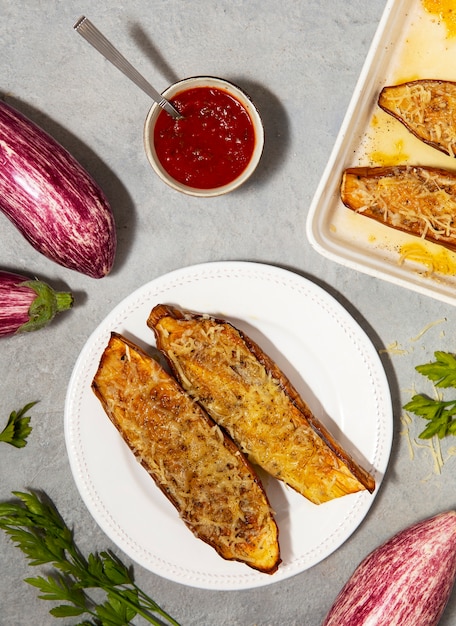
point(91, 34)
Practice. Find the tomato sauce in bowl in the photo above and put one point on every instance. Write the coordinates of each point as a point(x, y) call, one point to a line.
point(213, 142)
point(214, 147)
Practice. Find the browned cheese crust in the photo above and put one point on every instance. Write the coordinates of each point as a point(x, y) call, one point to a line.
point(427, 108)
point(244, 391)
point(202, 472)
point(417, 200)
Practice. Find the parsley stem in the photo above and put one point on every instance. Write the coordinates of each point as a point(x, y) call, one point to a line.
point(118, 594)
point(37, 528)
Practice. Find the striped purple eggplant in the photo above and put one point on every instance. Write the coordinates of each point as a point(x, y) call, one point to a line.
point(28, 304)
point(407, 581)
point(51, 198)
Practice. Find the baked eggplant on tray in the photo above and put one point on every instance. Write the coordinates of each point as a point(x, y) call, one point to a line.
point(203, 473)
point(414, 199)
point(244, 391)
point(427, 108)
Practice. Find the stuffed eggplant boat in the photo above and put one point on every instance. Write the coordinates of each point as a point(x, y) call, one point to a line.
point(244, 391)
point(418, 200)
point(200, 470)
point(427, 108)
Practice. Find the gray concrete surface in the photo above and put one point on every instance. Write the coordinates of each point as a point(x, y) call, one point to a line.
point(299, 61)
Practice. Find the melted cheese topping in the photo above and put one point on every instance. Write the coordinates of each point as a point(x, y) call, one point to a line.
point(414, 199)
point(216, 493)
point(217, 368)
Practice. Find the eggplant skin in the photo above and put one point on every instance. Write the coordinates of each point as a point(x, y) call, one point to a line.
point(52, 200)
point(407, 581)
point(28, 304)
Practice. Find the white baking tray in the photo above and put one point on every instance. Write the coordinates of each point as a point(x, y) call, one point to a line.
point(410, 43)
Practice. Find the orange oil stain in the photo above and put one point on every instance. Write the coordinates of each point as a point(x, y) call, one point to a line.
point(395, 158)
point(445, 10)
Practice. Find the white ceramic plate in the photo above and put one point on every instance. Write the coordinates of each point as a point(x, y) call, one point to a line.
point(317, 344)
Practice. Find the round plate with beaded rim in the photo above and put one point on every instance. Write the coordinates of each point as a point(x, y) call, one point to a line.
point(312, 338)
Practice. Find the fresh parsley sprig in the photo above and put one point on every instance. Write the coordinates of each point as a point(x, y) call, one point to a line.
point(18, 427)
point(442, 371)
point(439, 413)
point(36, 527)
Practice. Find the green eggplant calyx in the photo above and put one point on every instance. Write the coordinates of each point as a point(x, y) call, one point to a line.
point(45, 306)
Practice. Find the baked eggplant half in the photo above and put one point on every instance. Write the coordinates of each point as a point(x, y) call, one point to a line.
point(244, 391)
point(427, 108)
point(415, 199)
point(196, 465)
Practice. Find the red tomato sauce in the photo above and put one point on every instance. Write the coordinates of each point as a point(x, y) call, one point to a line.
point(211, 145)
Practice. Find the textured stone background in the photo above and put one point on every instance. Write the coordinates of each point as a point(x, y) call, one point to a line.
point(299, 61)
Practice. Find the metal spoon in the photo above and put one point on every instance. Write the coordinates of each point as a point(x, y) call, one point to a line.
point(91, 34)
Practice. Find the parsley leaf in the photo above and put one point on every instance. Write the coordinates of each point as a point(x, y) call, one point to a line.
point(36, 527)
point(439, 413)
point(17, 428)
point(442, 371)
